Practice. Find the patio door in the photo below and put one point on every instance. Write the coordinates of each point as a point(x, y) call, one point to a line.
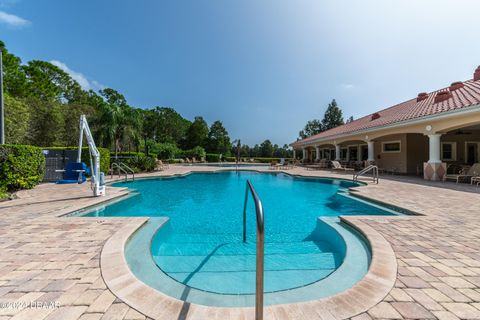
point(471, 150)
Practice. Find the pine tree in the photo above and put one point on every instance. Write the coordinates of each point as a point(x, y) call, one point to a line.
point(333, 116)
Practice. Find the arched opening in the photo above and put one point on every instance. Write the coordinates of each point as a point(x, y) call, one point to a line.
point(353, 152)
point(460, 146)
point(326, 152)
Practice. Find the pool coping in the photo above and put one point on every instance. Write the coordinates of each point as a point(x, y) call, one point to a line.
point(366, 293)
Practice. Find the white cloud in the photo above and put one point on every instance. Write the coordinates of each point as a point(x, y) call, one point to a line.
point(13, 20)
point(79, 77)
point(347, 86)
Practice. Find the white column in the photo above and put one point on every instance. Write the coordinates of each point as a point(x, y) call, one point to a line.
point(294, 154)
point(337, 152)
point(434, 148)
point(317, 153)
point(304, 155)
point(371, 153)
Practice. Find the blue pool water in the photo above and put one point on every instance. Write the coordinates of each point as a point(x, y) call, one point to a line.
point(201, 245)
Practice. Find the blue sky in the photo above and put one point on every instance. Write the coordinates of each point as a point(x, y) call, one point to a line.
point(261, 67)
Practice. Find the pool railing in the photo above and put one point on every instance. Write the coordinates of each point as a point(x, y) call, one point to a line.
point(259, 268)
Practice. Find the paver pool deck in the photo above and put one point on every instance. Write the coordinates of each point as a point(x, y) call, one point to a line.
point(48, 258)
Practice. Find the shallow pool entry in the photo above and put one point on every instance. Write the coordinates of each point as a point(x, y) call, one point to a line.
point(223, 263)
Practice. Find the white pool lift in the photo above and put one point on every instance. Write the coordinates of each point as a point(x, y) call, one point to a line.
point(97, 178)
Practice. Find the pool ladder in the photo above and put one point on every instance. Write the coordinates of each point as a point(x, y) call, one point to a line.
point(372, 168)
point(122, 167)
point(259, 268)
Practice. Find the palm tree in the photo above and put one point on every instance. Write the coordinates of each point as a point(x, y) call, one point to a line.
point(117, 123)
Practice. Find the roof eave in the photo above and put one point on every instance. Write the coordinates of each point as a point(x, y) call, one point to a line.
point(465, 110)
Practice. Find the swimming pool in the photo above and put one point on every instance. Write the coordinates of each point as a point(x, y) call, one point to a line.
point(200, 248)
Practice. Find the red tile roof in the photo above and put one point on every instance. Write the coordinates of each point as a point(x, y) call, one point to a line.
point(462, 97)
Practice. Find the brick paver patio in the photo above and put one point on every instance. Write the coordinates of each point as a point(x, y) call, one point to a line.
point(52, 259)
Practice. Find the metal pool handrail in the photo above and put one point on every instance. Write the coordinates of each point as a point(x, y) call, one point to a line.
point(372, 168)
point(259, 270)
point(123, 168)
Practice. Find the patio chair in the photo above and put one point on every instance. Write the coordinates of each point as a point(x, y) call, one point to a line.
point(337, 166)
point(473, 171)
point(288, 165)
point(274, 165)
point(475, 180)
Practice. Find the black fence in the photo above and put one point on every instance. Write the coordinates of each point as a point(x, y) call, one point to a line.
point(57, 160)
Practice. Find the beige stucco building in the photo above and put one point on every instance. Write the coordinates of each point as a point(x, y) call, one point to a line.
point(421, 136)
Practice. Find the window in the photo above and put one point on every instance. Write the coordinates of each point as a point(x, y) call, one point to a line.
point(391, 146)
point(343, 154)
point(449, 151)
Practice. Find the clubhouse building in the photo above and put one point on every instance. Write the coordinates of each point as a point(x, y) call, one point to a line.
point(426, 135)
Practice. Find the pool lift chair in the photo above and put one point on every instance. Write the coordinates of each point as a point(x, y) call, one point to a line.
point(75, 172)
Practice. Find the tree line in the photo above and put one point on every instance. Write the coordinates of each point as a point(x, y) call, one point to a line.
point(43, 104)
point(332, 118)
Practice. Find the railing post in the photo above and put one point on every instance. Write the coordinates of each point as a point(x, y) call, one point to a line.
point(260, 246)
point(259, 274)
point(245, 215)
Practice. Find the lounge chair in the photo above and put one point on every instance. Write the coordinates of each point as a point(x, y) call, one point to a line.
point(337, 166)
point(159, 165)
point(321, 164)
point(473, 171)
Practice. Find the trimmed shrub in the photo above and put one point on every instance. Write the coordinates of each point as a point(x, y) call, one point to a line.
point(269, 160)
point(212, 157)
point(21, 167)
point(197, 152)
point(141, 163)
point(167, 151)
point(104, 156)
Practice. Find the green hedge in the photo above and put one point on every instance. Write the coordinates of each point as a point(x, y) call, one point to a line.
point(21, 167)
point(197, 152)
point(141, 163)
point(269, 160)
point(126, 154)
point(212, 157)
point(104, 156)
point(256, 159)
